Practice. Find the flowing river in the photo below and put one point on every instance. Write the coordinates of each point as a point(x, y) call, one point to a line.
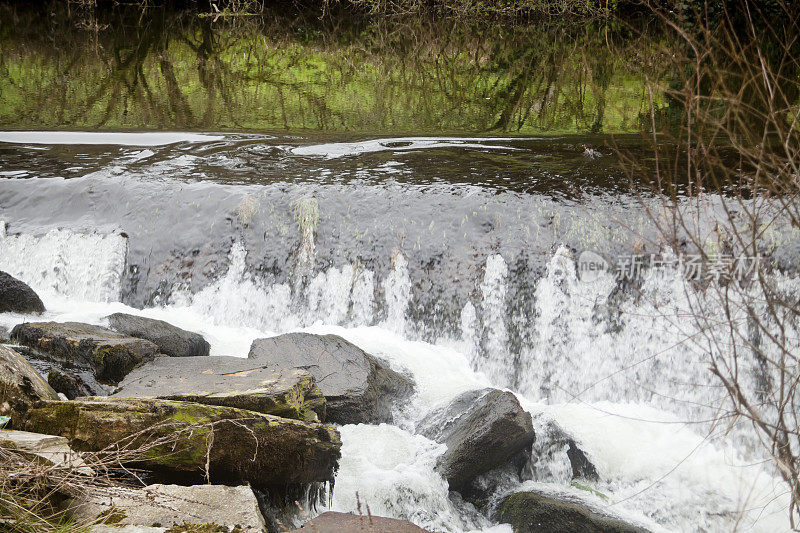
point(374, 216)
point(460, 283)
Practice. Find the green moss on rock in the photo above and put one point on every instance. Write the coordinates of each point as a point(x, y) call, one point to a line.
point(238, 445)
point(112, 516)
point(534, 512)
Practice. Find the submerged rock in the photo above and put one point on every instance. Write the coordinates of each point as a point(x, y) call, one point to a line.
point(331, 521)
point(171, 340)
point(17, 297)
point(109, 354)
point(236, 445)
point(482, 429)
point(556, 451)
point(234, 508)
point(20, 386)
point(358, 387)
point(228, 381)
point(538, 512)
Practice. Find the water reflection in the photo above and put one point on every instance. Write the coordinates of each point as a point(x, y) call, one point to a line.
point(161, 69)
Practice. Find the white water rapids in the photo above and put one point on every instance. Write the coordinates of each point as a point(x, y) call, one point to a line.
point(632, 397)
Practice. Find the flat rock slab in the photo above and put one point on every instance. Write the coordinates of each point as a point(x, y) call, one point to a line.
point(53, 449)
point(540, 512)
point(128, 529)
point(482, 429)
point(228, 381)
point(17, 297)
point(171, 340)
point(358, 387)
point(174, 505)
point(332, 522)
point(20, 385)
point(238, 446)
point(109, 354)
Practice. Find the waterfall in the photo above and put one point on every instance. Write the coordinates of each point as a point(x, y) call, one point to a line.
point(397, 292)
point(499, 363)
point(612, 364)
point(67, 264)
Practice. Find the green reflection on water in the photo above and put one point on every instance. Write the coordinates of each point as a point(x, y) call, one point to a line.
point(161, 69)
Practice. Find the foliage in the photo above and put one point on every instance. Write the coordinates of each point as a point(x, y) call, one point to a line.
point(342, 73)
point(733, 107)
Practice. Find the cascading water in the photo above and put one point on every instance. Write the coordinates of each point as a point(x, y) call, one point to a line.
point(443, 300)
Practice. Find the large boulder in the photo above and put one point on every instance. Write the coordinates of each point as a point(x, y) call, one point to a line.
point(171, 340)
point(234, 508)
point(331, 521)
point(20, 386)
point(17, 297)
point(230, 445)
point(482, 430)
point(228, 381)
point(540, 512)
point(359, 387)
point(110, 355)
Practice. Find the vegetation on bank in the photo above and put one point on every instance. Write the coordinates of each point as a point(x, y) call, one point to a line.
point(371, 75)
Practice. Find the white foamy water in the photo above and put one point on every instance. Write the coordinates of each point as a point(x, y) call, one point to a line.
point(494, 288)
point(80, 266)
point(104, 138)
point(627, 396)
point(400, 144)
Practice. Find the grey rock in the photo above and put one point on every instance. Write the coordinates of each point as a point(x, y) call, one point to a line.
point(17, 297)
point(171, 340)
point(541, 512)
point(228, 381)
point(173, 505)
point(359, 387)
point(331, 522)
point(53, 449)
point(127, 529)
point(482, 430)
point(20, 385)
point(109, 354)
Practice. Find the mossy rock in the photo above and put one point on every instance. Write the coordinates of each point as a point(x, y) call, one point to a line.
point(110, 355)
point(239, 446)
point(111, 516)
point(538, 512)
point(20, 386)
